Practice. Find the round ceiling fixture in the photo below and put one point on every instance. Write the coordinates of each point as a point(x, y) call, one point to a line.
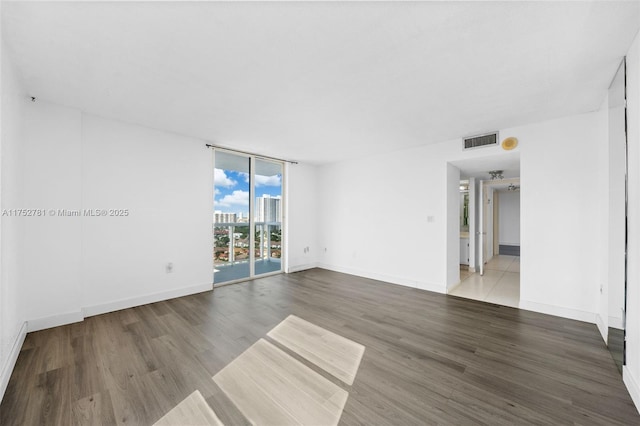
point(509, 143)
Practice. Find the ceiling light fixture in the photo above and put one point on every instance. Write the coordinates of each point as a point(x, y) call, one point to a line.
point(496, 174)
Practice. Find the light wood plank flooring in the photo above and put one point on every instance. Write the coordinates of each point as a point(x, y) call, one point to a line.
point(429, 359)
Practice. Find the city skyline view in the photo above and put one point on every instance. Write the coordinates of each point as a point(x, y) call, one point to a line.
point(231, 190)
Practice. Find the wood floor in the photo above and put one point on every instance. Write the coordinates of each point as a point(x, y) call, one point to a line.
point(333, 353)
point(429, 359)
point(273, 388)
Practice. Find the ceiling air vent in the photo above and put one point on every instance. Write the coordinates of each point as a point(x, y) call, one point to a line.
point(480, 141)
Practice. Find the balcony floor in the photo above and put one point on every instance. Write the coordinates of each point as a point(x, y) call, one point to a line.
point(225, 273)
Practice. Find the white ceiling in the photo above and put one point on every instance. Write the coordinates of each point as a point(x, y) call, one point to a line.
point(321, 82)
point(479, 167)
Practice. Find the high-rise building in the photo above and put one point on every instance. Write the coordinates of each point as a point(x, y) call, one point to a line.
point(268, 209)
point(219, 217)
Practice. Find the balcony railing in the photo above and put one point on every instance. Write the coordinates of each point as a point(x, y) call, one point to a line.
point(232, 246)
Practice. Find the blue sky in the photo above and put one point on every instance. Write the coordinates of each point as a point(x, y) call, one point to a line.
point(232, 190)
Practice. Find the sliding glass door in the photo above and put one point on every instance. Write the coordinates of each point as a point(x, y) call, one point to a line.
point(268, 217)
point(247, 214)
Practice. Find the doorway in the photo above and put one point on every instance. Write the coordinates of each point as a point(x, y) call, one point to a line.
point(493, 271)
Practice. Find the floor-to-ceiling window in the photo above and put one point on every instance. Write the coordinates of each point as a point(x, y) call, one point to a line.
point(268, 216)
point(248, 205)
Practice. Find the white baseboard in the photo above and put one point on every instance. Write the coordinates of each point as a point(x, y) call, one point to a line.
point(602, 328)
point(559, 311)
point(298, 268)
point(615, 322)
point(632, 386)
point(54, 321)
point(569, 313)
point(10, 363)
point(118, 305)
point(453, 287)
point(422, 285)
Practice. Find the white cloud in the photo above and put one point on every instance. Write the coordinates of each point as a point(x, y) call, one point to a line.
point(216, 191)
point(220, 179)
point(275, 180)
point(236, 198)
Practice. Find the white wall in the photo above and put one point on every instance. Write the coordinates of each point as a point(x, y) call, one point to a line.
point(52, 173)
point(374, 214)
point(88, 265)
point(385, 217)
point(12, 307)
point(453, 226)
point(631, 371)
point(59, 269)
point(165, 181)
point(302, 217)
point(83, 265)
point(509, 218)
point(558, 213)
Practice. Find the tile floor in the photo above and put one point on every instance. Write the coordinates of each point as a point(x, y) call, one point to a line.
point(500, 283)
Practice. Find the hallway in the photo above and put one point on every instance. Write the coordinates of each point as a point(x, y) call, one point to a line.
point(500, 283)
